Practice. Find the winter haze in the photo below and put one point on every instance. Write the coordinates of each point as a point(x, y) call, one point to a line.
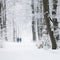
point(25, 35)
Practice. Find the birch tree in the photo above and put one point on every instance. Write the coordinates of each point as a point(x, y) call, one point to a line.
point(54, 18)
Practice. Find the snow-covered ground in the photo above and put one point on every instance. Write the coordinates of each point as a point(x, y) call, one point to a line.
point(27, 52)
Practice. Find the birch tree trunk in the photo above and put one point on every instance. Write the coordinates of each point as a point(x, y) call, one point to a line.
point(55, 23)
point(54, 18)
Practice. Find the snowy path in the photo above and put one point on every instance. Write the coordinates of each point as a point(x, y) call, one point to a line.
point(18, 54)
point(28, 52)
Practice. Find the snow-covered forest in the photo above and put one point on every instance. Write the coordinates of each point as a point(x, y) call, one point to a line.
point(29, 29)
point(30, 22)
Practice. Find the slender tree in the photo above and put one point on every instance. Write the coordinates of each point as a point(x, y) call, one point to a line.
point(33, 22)
point(39, 18)
point(54, 19)
point(55, 23)
point(1, 19)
